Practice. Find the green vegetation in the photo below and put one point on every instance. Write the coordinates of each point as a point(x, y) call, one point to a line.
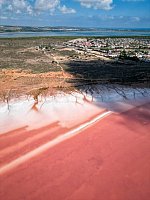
point(128, 56)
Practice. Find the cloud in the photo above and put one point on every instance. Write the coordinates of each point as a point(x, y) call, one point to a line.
point(19, 4)
point(2, 2)
point(6, 18)
point(136, 19)
point(16, 6)
point(116, 21)
point(66, 10)
point(3, 17)
point(43, 5)
point(34, 7)
point(29, 10)
point(110, 18)
point(10, 7)
point(97, 4)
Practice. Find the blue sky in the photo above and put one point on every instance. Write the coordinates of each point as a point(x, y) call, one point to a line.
point(84, 13)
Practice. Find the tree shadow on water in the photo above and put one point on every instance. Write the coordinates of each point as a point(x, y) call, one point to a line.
point(114, 85)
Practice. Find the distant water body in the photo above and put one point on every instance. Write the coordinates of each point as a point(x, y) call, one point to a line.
point(105, 33)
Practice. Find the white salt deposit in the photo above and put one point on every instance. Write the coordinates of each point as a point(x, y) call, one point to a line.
point(69, 110)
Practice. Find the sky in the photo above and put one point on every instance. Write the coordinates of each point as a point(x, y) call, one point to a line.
point(76, 13)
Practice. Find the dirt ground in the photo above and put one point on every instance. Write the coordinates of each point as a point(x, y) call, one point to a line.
point(24, 68)
point(27, 69)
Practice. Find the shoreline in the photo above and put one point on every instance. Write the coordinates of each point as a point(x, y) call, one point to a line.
point(78, 102)
point(72, 37)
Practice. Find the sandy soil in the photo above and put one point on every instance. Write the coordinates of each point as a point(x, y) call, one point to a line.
point(26, 65)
